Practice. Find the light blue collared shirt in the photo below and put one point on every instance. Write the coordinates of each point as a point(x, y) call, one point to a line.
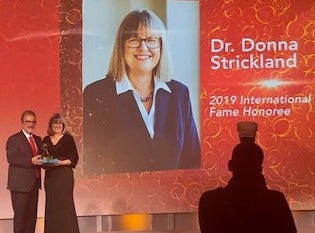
point(124, 85)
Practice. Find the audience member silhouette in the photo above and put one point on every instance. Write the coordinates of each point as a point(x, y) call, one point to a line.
point(245, 205)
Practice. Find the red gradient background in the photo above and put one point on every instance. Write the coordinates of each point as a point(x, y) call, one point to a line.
point(41, 55)
point(29, 68)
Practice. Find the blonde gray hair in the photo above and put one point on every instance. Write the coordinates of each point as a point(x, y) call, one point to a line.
point(57, 118)
point(128, 28)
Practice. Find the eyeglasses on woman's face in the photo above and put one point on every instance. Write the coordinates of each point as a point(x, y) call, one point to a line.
point(150, 42)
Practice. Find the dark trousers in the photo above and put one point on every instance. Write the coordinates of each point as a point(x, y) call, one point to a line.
point(25, 210)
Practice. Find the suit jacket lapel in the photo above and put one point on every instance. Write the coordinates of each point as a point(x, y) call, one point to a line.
point(25, 141)
point(161, 111)
point(128, 102)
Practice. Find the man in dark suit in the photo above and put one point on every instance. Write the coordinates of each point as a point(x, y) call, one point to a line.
point(23, 153)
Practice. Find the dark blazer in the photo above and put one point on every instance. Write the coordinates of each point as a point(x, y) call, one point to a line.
point(115, 137)
point(21, 175)
point(266, 211)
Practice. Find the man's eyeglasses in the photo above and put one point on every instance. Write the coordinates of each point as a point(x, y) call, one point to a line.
point(150, 42)
point(29, 122)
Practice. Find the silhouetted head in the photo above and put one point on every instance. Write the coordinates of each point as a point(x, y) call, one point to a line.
point(247, 130)
point(246, 159)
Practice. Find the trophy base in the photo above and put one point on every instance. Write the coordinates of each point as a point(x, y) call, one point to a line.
point(48, 161)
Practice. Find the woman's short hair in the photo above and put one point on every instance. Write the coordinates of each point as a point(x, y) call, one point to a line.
point(57, 118)
point(128, 28)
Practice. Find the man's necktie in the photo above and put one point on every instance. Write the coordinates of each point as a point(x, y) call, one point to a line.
point(34, 150)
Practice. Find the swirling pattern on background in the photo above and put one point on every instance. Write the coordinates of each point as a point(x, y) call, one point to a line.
point(288, 142)
point(70, 24)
